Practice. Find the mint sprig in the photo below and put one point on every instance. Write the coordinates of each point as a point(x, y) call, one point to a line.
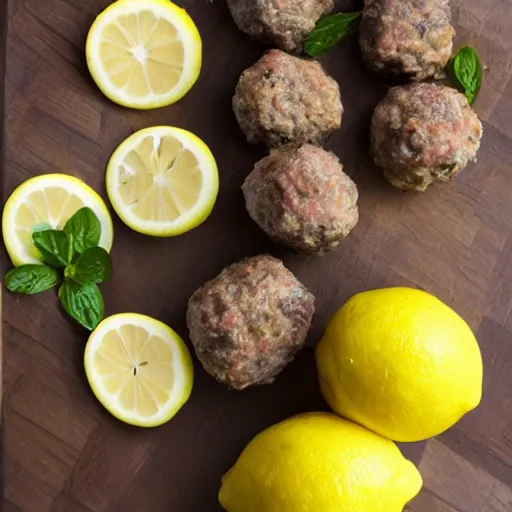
point(73, 254)
point(330, 30)
point(466, 72)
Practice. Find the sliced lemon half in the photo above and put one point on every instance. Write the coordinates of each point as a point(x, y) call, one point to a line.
point(144, 53)
point(162, 181)
point(139, 369)
point(47, 202)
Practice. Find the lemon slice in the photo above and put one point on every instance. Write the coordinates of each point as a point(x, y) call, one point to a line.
point(139, 369)
point(162, 181)
point(144, 53)
point(47, 202)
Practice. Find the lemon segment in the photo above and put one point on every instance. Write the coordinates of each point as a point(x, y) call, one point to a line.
point(47, 202)
point(144, 53)
point(139, 369)
point(162, 181)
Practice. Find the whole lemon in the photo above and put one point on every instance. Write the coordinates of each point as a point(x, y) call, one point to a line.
point(319, 462)
point(401, 363)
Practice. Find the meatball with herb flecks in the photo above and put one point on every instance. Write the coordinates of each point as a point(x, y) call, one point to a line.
point(248, 323)
point(423, 133)
point(285, 23)
point(302, 198)
point(284, 100)
point(404, 40)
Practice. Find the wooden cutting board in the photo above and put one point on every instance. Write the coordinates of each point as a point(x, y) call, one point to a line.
point(62, 451)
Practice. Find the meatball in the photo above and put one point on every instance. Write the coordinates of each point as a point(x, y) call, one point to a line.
point(284, 23)
point(302, 198)
point(286, 100)
point(422, 133)
point(248, 323)
point(406, 40)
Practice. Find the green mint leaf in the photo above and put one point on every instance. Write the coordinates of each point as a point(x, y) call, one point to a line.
point(92, 267)
point(82, 303)
point(466, 71)
point(31, 279)
point(330, 30)
point(56, 247)
point(85, 228)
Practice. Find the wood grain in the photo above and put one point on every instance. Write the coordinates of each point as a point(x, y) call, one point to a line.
point(62, 451)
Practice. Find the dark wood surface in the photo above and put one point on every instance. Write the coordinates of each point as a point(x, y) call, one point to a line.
point(63, 452)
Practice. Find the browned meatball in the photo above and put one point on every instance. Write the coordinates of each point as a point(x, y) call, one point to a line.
point(422, 133)
point(407, 39)
point(285, 23)
point(286, 100)
point(302, 198)
point(248, 323)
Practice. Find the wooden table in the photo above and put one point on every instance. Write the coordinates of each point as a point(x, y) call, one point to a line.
point(63, 452)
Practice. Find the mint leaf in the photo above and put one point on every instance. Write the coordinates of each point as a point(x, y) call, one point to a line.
point(330, 30)
point(92, 267)
point(85, 229)
point(31, 279)
point(466, 70)
point(56, 247)
point(82, 303)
